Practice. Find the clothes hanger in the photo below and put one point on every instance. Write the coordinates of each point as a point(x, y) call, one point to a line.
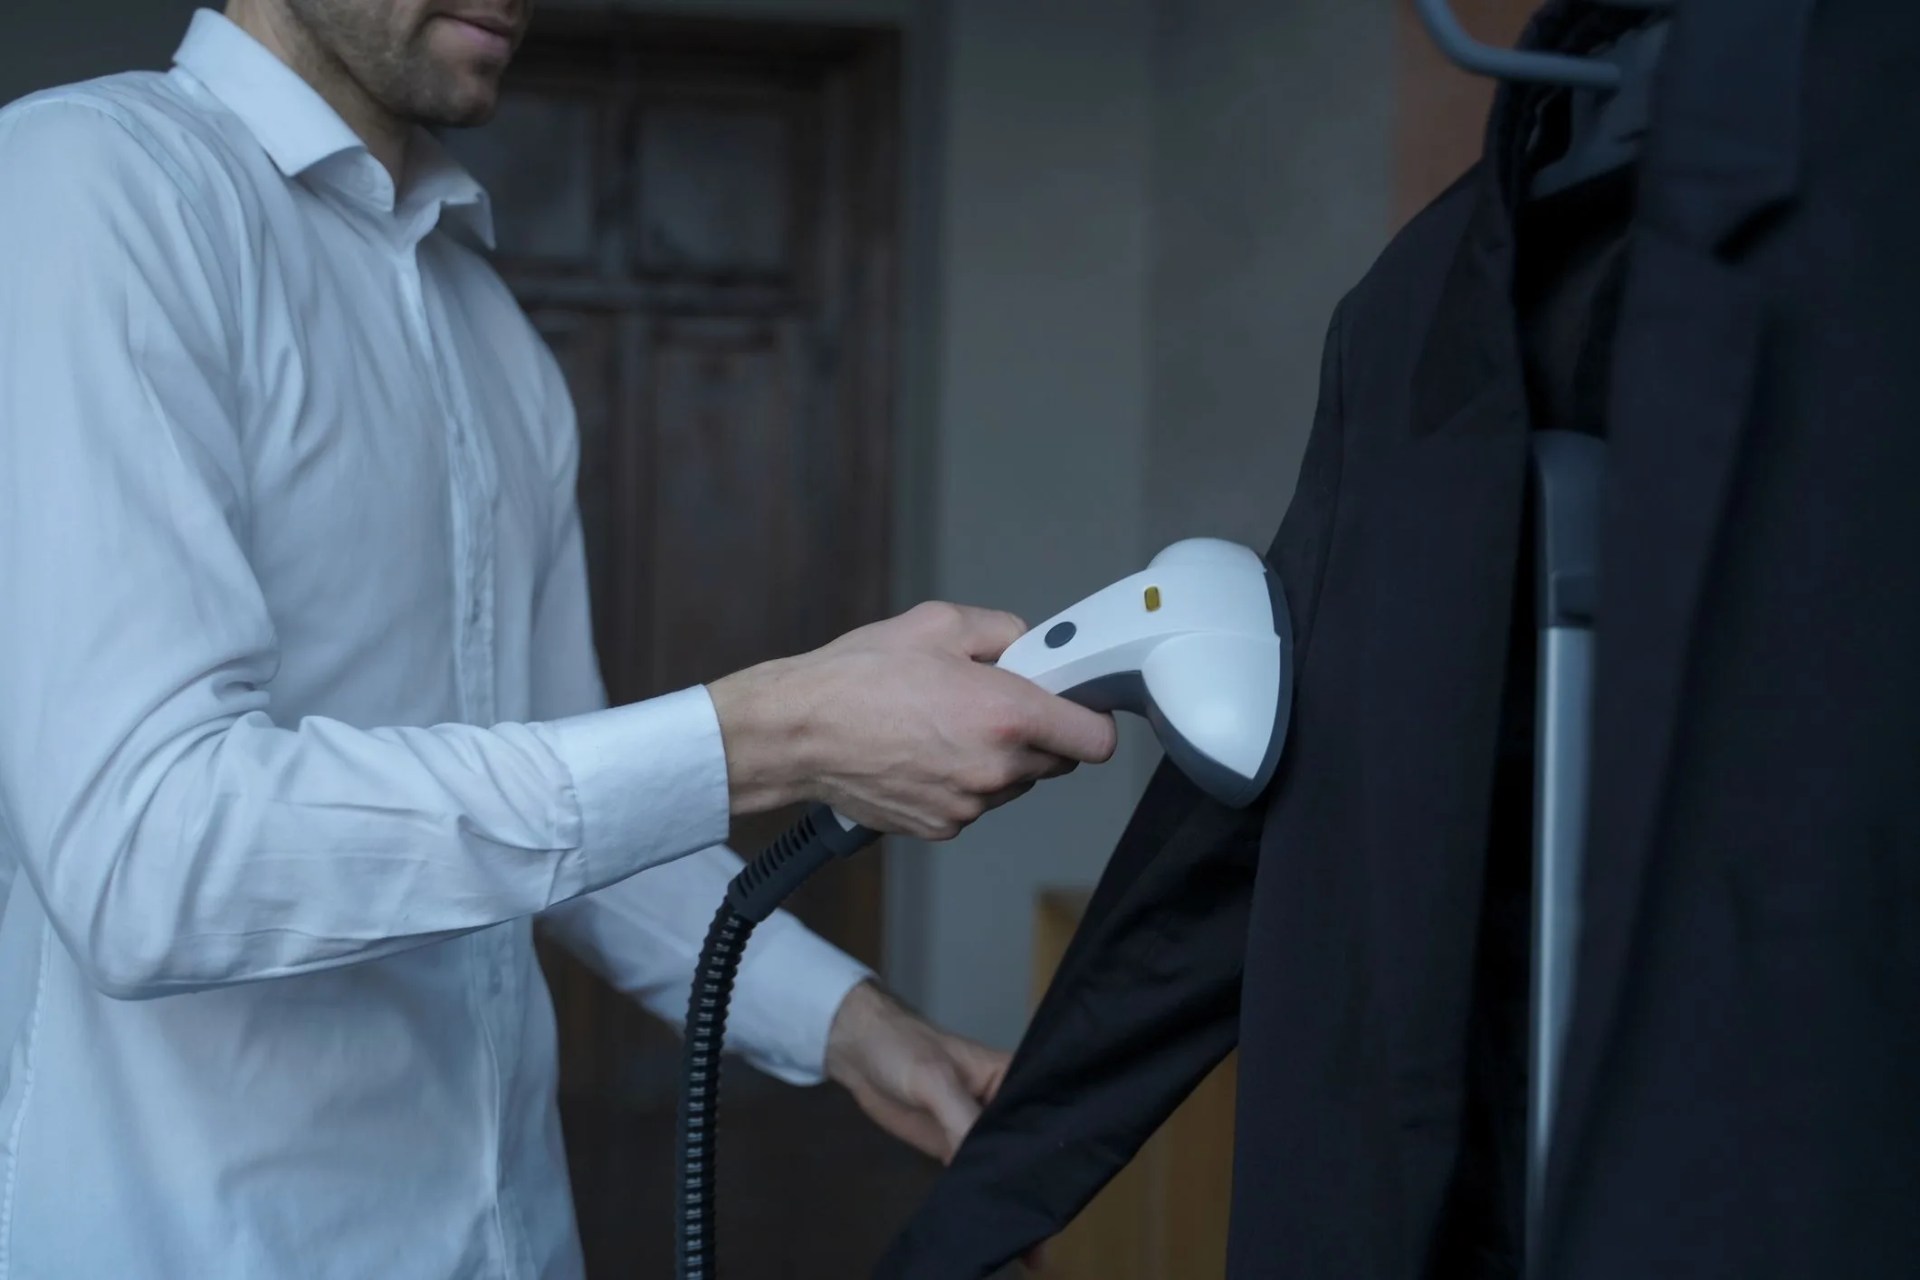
point(1611, 91)
point(1525, 66)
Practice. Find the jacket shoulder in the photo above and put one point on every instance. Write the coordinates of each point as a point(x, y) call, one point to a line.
point(1416, 261)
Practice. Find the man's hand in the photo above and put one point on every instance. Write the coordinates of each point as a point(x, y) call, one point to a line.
point(903, 726)
point(922, 1085)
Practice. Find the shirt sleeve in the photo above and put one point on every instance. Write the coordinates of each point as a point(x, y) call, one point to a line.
point(643, 935)
point(177, 835)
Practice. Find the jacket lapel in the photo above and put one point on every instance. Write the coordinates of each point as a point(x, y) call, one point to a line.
point(1442, 515)
point(1721, 159)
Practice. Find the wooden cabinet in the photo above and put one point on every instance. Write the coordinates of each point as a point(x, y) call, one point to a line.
point(1164, 1217)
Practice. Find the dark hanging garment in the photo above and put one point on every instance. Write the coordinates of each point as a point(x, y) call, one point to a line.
point(1742, 1089)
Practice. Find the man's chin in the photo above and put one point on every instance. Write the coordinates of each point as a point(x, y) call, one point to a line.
point(469, 119)
point(468, 104)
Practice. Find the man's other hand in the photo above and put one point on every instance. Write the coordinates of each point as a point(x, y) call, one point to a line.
point(922, 1085)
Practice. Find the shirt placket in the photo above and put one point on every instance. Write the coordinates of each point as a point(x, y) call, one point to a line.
point(495, 978)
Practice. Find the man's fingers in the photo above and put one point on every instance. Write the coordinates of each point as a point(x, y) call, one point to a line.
point(1032, 766)
point(924, 1134)
point(1057, 766)
point(981, 1068)
point(1065, 729)
point(984, 634)
point(953, 1107)
point(1007, 796)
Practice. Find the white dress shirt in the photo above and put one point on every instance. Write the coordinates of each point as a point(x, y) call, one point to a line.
point(300, 723)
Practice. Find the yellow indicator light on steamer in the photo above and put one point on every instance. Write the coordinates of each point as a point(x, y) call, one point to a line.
point(1153, 599)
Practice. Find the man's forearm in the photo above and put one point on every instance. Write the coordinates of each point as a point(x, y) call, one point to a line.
point(643, 935)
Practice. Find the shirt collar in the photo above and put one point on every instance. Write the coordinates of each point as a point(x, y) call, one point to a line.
point(434, 176)
point(300, 132)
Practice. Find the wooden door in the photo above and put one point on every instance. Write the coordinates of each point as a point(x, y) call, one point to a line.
point(698, 216)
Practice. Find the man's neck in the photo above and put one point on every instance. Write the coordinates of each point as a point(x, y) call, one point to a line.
point(288, 40)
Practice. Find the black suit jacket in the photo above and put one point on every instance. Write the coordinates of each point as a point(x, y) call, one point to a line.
point(1743, 1083)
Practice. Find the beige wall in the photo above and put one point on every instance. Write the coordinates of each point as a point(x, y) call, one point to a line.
point(1038, 422)
point(1272, 179)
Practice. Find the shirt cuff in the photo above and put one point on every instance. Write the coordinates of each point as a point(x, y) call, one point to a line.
point(649, 785)
point(790, 986)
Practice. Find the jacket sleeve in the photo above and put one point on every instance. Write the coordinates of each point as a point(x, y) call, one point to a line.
point(1147, 998)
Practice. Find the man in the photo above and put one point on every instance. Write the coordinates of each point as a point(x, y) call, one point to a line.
point(286, 522)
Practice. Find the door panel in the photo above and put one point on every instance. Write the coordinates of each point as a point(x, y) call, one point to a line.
point(716, 189)
point(722, 404)
point(547, 143)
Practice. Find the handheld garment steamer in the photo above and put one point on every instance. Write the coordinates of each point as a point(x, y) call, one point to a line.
point(1199, 644)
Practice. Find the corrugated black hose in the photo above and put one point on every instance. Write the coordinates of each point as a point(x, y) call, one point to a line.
point(755, 894)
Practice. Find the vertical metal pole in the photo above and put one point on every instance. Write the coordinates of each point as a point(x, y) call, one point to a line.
point(1560, 773)
point(1566, 476)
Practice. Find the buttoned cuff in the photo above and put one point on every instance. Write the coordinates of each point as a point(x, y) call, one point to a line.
point(791, 984)
point(649, 784)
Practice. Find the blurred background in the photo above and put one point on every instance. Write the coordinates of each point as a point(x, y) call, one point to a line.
point(870, 301)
